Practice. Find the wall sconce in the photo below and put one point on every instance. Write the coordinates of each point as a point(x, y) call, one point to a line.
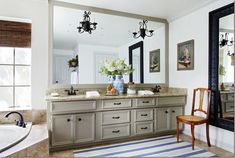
point(143, 30)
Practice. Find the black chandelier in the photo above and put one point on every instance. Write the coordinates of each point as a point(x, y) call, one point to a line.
point(143, 30)
point(224, 41)
point(86, 25)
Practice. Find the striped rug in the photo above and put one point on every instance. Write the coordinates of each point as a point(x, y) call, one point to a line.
point(155, 147)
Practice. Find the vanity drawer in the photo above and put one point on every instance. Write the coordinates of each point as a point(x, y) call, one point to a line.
point(117, 103)
point(115, 117)
point(230, 96)
point(229, 107)
point(115, 131)
point(73, 106)
point(144, 115)
point(145, 102)
point(143, 127)
point(171, 101)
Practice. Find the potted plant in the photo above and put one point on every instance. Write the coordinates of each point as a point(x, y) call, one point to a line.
point(116, 69)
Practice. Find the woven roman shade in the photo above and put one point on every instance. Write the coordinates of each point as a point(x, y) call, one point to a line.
point(15, 34)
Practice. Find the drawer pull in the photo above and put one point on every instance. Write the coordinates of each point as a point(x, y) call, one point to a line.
point(166, 112)
point(117, 131)
point(144, 128)
point(118, 117)
point(144, 115)
point(145, 102)
point(173, 111)
point(79, 119)
point(68, 120)
point(117, 103)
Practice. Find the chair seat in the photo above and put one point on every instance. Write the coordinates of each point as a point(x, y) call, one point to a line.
point(191, 119)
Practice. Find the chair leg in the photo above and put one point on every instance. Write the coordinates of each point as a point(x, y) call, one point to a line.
point(193, 138)
point(177, 130)
point(207, 135)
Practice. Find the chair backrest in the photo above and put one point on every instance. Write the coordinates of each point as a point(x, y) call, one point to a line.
point(202, 92)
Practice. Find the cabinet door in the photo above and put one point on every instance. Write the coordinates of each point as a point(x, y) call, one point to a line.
point(163, 119)
point(62, 129)
point(84, 127)
point(175, 111)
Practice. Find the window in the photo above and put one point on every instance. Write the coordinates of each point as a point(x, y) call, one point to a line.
point(15, 77)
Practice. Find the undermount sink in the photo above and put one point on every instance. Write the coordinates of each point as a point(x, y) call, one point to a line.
point(145, 92)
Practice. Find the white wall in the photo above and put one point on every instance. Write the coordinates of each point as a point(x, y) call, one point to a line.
point(86, 54)
point(195, 26)
point(37, 12)
point(157, 41)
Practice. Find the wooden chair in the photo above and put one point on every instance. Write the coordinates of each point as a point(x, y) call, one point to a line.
point(196, 120)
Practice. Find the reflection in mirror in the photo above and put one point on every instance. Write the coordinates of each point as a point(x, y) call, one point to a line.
point(136, 65)
point(136, 62)
point(226, 67)
point(110, 40)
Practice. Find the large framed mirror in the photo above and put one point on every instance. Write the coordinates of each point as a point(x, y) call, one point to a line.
point(221, 66)
point(110, 40)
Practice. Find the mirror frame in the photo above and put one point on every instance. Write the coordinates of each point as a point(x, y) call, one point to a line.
point(53, 3)
point(214, 17)
point(131, 48)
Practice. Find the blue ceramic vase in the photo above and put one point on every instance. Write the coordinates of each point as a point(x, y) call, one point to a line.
point(118, 84)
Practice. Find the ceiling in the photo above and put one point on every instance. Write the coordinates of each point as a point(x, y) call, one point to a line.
point(114, 31)
point(167, 9)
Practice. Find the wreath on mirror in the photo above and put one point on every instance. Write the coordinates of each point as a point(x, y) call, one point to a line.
point(73, 63)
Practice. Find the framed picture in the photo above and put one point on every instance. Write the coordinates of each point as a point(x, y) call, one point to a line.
point(154, 61)
point(185, 55)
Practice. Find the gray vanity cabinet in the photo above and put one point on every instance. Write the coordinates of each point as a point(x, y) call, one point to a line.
point(163, 119)
point(84, 127)
point(166, 118)
point(95, 121)
point(175, 111)
point(62, 129)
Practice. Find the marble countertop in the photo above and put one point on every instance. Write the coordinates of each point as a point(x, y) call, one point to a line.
point(102, 96)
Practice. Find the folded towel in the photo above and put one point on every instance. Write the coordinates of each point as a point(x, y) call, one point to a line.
point(55, 94)
point(92, 94)
point(145, 92)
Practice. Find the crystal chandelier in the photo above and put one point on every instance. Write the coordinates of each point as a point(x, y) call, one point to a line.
point(143, 30)
point(86, 25)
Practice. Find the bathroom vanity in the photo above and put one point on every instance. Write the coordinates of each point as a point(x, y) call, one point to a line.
point(75, 121)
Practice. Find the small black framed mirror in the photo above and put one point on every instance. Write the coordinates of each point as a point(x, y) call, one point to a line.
point(221, 52)
point(136, 60)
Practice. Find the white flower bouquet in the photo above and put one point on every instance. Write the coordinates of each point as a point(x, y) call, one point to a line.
point(115, 67)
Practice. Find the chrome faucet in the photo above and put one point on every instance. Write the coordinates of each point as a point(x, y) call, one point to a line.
point(71, 91)
point(19, 122)
point(156, 88)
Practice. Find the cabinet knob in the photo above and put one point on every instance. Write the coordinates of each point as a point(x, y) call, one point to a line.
point(144, 115)
point(117, 103)
point(173, 111)
point(68, 120)
point(117, 131)
point(144, 128)
point(166, 112)
point(118, 117)
point(79, 119)
point(145, 102)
